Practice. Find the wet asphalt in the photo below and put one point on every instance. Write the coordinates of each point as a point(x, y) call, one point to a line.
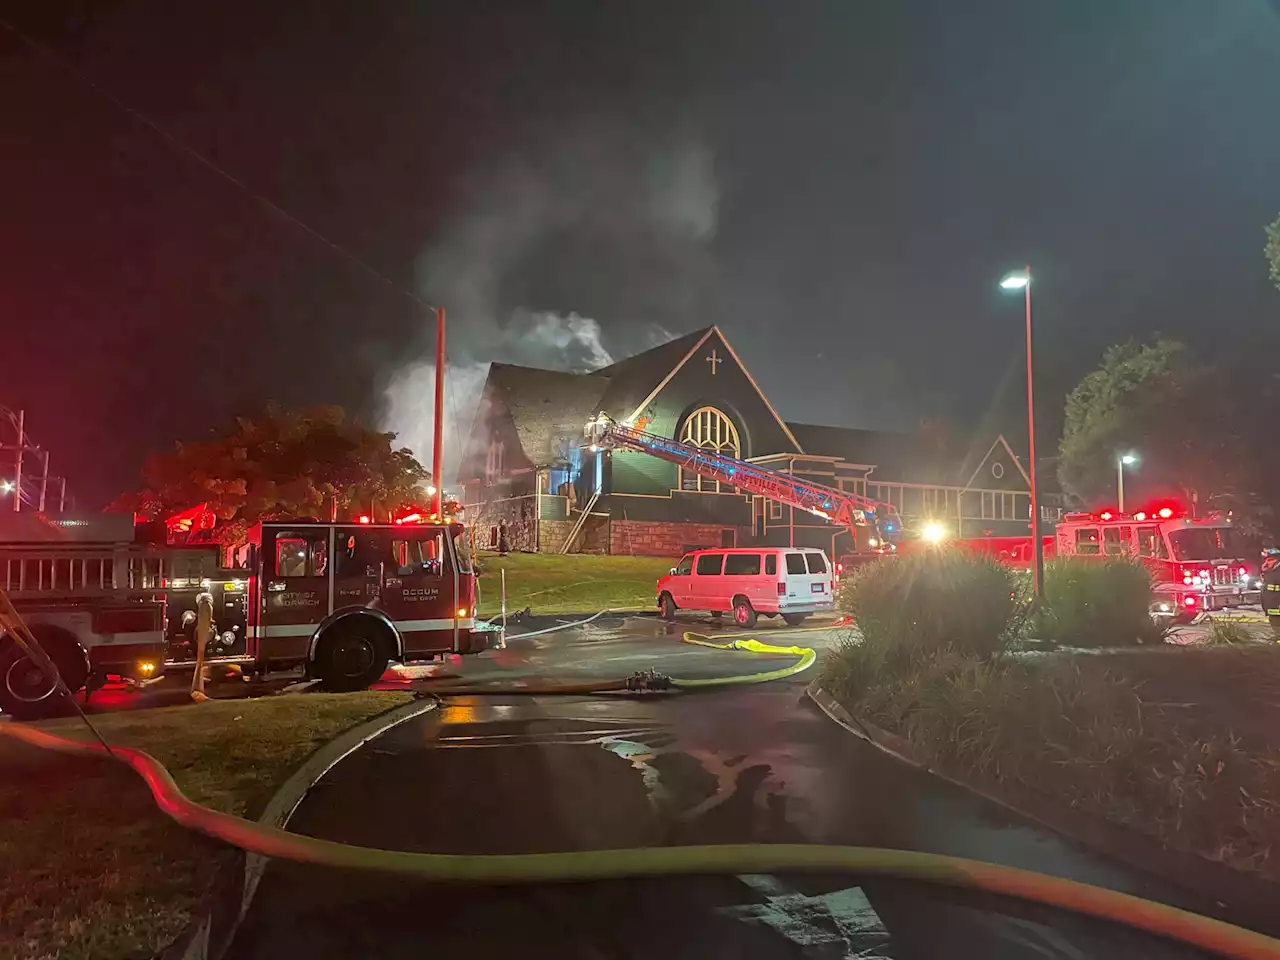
point(523, 774)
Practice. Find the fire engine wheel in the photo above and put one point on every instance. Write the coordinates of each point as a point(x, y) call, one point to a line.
point(350, 656)
point(26, 692)
point(668, 607)
point(744, 615)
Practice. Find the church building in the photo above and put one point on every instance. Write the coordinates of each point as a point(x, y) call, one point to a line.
point(528, 467)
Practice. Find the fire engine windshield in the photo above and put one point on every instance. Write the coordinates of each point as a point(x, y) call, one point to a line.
point(1212, 543)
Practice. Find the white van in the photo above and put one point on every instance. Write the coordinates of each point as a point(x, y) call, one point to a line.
point(791, 582)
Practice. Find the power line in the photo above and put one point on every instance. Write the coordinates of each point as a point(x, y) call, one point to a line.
point(177, 143)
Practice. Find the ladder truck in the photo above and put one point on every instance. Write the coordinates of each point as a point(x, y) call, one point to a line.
point(880, 519)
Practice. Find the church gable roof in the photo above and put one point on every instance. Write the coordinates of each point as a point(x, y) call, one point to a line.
point(546, 406)
point(635, 378)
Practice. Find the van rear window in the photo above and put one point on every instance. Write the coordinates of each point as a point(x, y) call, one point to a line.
point(709, 564)
point(795, 563)
point(742, 565)
point(817, 562)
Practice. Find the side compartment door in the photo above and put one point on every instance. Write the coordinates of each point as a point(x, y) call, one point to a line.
point(418, 589)
point(295, 590)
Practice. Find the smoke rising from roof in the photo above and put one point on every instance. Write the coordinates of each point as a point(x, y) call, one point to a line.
point(606, 222)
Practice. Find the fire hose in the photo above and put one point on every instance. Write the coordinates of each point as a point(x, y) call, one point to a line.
point(731, 859)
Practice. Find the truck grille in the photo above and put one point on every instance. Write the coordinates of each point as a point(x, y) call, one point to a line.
point(1226, 576)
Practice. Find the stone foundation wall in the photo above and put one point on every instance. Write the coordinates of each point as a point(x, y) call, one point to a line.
point(645, 538)
point(592, 538)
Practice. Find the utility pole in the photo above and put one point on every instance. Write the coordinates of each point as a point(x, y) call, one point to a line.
point(437, 449)
point(44, 479)
point(17, 460)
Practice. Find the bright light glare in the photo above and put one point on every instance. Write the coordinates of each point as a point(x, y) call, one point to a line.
point(5, 486)
point(431, 491)
point(1128, 459)
point(1014, 281)
point(933, 532)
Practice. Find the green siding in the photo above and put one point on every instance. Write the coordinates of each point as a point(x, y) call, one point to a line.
point(634, 472)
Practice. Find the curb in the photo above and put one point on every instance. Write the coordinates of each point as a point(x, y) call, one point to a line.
point(224, 905)
point(1236, 897)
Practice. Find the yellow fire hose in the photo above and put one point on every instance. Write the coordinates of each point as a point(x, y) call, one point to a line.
point(733, 859)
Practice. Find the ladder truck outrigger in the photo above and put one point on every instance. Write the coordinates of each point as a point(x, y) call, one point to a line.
point(879, 519)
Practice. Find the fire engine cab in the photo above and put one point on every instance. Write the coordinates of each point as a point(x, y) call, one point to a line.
point(340, 599)
point(1197, 564)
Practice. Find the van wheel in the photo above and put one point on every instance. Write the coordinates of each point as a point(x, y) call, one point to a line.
point(743, 613)
point(351, 656)
point(26, 691)
point(795, 619)
point(668, 607)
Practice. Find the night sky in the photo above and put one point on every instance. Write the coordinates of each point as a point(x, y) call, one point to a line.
point(839, 186)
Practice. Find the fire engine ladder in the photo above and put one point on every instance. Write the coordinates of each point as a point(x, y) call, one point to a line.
point(582, 522)
point(837, 506)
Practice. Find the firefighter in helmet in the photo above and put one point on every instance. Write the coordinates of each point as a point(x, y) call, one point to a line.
point(1271, 587)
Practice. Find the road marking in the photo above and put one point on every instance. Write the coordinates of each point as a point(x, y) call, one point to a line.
point(839, 918)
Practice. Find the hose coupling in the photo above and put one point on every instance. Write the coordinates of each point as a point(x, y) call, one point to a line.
point(647, 681)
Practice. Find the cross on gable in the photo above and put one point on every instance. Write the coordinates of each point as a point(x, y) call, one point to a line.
point(713, 361)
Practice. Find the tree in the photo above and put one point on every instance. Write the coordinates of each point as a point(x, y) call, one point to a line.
point(1272, 250)
point(1187, 421)
point(282, 463)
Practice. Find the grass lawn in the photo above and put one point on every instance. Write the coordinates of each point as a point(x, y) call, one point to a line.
point(90, 868)
point(574, 583)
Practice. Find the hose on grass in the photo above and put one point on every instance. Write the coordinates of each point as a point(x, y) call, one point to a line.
point(731, 859)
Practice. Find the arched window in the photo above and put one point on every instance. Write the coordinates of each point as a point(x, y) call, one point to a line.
point(709, 429)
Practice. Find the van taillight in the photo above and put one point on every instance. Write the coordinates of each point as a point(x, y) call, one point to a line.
point(782, 589)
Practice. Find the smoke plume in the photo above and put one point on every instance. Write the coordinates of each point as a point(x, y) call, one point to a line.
point(608, 222)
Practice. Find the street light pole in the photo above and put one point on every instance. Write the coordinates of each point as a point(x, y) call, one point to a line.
point(1022, 281)
point(1036, 541)
point(1122, 461)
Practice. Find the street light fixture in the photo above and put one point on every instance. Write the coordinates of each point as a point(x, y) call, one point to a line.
point(1122, 461)
point(1021, 280)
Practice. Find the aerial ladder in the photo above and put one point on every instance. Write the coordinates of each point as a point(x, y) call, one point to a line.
point(837, 506)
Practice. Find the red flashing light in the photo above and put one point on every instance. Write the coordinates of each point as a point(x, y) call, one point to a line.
point(364, 519)
point(1165, 513)
point(839, 568)
point(1139, 516)
point(1105, 515)
point(1188, 601)
point(1244, 571)
point(411, 518)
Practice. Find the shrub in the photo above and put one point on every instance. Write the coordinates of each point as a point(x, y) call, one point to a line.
point(1228, 633)
point(1096, 602)
point(932, 601)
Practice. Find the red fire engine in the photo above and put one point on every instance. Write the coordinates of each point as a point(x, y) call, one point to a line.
point(92, 599)
point(1197, 564)
point(344, 599)
point(339, 599)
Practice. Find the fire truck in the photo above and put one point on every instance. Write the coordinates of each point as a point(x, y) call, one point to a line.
point(91, 597)
point(340, 599)
point(1197, 564)
point(874, 525)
